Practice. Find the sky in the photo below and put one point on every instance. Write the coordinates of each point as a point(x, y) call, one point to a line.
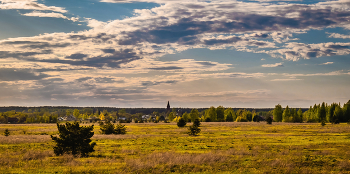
point(193, 53)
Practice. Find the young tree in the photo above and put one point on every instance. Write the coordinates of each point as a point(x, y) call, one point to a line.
point(193, 130)
point(277, 113)
point(230, 115)
point(182, 122)
point(300, 115)
point(185, 116)
point(323, 113)
point(269, 120)
point(194, 115)
point(211, 114)
point(220, 110)
point(76, 113)
point(196, 122)
point(171, 116)
point(286, 115)
point(6, 132)
point(74, 139)
point(102, 117)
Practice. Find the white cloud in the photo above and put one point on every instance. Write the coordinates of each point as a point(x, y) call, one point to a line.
point(337, 35)
point(327, 63)
point(273, 65)
point(51, 15)
point(29, 5)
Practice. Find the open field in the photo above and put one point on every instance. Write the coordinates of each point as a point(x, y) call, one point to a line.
point(226, 147)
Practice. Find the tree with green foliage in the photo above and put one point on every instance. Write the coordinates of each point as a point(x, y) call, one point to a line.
point(171, 116)
point(76, 113)
point(182, 122)
point(346, 111)
point(211, 114)
point(196, 122)
point(230, 115)
point(323, 113)
point(220, 113)
point(269, 120)
point(256, 118)
point(6, 132)
point(299, 115)
point(186, 117)
point(194, 114)
point(119, 129)
point(277, 113)
point(107, 128)
point(74, 139)
point(193, 130)
point(286, 115)
point(338, 114)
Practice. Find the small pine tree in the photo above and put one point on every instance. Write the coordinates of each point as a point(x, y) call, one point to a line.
point(269, 120)
point(196, 122)
point(7, 132)
point(107, 128)
point(120, 129)
point(193, 130)
point(181, 122)
point(74, 139)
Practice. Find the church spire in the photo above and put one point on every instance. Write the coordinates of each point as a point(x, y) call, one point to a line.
point(168, 107)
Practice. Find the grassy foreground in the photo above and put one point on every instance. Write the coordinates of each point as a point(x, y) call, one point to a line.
point(164, 148)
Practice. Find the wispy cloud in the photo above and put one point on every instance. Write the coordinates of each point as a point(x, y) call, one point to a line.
point(273, 65)
point(327, 63)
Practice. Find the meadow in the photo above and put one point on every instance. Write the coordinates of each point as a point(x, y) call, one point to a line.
point(222, 147)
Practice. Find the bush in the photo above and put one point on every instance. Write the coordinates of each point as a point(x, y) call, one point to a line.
point(241, 119)
point(207, 119)
point(181, 122)
point(74, 139)
point(107, 128)
point(7, 132)
point(120, 129)
point(193, 130)
point(196, 122)
point(269, 120)
point(323, 123)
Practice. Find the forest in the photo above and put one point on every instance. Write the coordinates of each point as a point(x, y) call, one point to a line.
point(330, 113)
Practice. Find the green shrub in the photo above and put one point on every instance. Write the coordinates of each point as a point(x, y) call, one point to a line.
point(241, 119)
point(323, 123)
point(107, 128)
point(7, 132)
point(196, 122)
point(74, 139)
point(120, 129)
point(193, 130)
point(269, 120)
point(181, 122)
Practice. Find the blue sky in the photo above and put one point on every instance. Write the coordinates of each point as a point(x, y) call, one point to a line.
point(195, 53)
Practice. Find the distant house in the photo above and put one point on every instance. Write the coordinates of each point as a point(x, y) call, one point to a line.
point(121, 118)
point(12, 120)
point(67, 118)
point(147, 117)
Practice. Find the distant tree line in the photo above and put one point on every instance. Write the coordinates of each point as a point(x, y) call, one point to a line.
point(333, 113)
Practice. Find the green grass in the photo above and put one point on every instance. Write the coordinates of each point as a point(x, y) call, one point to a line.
point(165, 148)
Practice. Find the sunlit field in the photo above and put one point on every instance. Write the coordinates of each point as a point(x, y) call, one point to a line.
point(225, 147)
